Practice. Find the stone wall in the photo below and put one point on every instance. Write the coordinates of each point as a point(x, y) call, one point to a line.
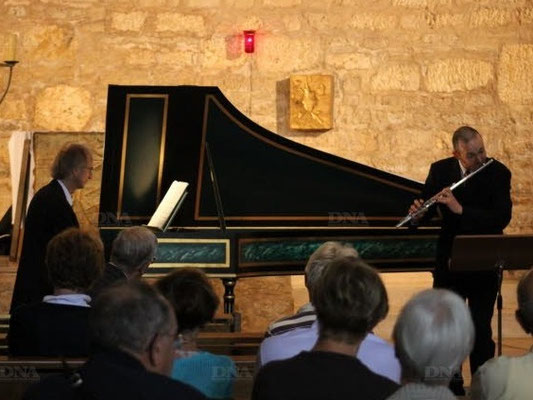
point(406, 73)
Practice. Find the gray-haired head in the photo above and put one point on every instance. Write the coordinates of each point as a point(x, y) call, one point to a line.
point(524, 295)
point(433, 334)
point(321, 257)
point(350, 300)
point(70, 157)
point(133, 250)
point(463, 134)
point(128, 317)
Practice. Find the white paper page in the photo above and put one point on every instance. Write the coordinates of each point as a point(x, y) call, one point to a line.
point(165, 208)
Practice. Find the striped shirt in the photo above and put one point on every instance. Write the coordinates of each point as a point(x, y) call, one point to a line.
point(304, 318)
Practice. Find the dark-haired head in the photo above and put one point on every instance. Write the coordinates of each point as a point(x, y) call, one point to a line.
point(75, 259)
point(350, 300)
point(191, 295)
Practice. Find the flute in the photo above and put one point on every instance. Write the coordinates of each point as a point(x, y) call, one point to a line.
point(428, 203)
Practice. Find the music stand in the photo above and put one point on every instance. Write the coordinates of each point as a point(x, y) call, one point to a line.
point(492, 252)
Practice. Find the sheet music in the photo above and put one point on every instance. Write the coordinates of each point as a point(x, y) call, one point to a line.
point(168, 204)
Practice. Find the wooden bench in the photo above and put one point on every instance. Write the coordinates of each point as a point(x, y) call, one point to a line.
point(17, 374)
point(230, 343)
point(222, 336)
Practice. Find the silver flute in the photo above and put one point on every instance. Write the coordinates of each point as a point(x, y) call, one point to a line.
point(428, 203)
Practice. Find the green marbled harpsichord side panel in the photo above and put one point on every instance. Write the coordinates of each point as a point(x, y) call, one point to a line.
point(192, 253)
point(177, 252)
point(369, 249)
point(396, 249)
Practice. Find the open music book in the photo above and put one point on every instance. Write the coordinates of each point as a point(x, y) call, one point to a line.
point(169, 206)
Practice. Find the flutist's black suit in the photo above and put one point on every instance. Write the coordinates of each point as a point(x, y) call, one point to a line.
point(487, 206)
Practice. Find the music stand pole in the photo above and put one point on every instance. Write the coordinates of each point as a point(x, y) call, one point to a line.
point(499, 303)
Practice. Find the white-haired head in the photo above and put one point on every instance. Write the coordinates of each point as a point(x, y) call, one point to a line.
point(321, 257)
point(434, 333)
point(133, 250)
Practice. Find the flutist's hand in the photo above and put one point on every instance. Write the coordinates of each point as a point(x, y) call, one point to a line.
point(415, 207)
point(447, 198)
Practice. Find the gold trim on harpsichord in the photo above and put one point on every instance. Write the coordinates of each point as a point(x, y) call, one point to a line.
point(334, 238)
point(290, 228)
point(296, 228)
point(124, 146)
point(293, 218)
point(200, 175)
point(225, 264)
point(197, 217)
point(232, 228)
point(162, 149)
point(209, 275)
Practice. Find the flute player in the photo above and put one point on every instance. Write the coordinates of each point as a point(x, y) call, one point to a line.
point(482, 205)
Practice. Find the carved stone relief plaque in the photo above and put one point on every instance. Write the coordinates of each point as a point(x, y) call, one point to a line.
point(311, 102)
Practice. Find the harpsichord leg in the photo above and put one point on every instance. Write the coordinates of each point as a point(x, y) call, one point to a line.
point(229, 294)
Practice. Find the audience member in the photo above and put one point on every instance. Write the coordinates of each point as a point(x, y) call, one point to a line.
point(50, 212)
point(59, 324)
point(289, 336)
point(350, 299)
point(506, 378)
point(433, 334)
point(195, 303)
point(135, 329)
point(306, 315)
point(132, 252)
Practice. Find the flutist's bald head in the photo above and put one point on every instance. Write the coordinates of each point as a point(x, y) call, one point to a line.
point(468, 148)
point(463, 134)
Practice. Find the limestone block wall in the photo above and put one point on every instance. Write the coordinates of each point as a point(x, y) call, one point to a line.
point(406, 72)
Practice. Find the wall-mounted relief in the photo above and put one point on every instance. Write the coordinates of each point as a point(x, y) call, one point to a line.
point(311, 102)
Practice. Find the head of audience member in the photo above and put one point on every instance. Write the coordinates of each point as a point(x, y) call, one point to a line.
point(468, 148)
point(524, 294)
point(73, 166)
point(350, 299)
point(433, 334)
point(193, 299)
point(133, 250)
point(134, 318)
point(321, 258)
point(75, 259)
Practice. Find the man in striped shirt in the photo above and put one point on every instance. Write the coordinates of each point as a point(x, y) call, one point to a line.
point(290, 335)
point(306, 316)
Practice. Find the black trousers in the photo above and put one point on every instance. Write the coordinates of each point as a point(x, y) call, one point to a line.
point(479, 289)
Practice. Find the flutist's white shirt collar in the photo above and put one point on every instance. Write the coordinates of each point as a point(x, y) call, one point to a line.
point(67, 193)
point(463, 169)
